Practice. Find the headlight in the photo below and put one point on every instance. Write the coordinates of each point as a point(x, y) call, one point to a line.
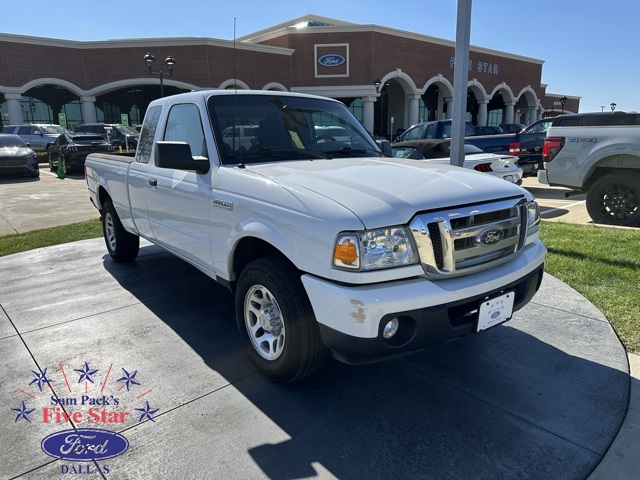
point(374, 249)
point(533, 221)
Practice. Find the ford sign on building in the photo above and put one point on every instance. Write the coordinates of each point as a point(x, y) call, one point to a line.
point(331, 60)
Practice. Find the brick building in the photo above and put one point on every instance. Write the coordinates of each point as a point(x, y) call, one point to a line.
point(389, 78)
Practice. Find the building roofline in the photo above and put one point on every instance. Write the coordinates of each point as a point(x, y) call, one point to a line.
point(339, 26)
point(143, 42)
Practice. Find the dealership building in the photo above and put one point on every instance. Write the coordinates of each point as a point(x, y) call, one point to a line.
point(390, 79)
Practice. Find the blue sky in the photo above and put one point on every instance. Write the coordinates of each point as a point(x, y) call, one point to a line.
point(589, 46)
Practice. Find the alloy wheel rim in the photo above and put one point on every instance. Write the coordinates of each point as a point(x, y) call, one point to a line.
point(264, 323)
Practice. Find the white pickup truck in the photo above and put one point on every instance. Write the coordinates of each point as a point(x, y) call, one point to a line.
point(328, 245)
point(603, 161)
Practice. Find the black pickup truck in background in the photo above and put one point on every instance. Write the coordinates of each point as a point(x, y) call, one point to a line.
point(526, 144)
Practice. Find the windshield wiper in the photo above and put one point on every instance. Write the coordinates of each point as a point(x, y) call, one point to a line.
point(351, 151)
point(262, 151)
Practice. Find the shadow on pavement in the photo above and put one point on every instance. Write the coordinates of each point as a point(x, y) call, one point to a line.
point(503, 404)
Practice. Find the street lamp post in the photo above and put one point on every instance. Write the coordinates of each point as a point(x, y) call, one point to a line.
point(379, 86)
point(613, 106)
point(563, 100)
point(169, 61)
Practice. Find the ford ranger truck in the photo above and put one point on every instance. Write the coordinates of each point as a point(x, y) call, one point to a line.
point(327, 245)
point(602, 161)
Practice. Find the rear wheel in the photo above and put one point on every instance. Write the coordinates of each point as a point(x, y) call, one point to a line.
point(615, 199)
point(276, 321)
point(122, 245)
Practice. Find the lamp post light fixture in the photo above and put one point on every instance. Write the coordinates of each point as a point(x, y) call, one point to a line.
point(169, 61)
point(563, 100)
point(613, 106)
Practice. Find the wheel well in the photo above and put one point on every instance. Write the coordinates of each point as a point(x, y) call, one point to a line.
point(249, 249)
point(102, 196)
point(602, 171)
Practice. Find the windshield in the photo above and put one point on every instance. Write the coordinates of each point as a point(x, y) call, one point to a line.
point(126, 130)
point(12, 141)
point(54, 129)
point(259, 128)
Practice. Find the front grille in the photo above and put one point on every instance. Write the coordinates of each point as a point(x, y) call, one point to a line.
point(468, 239)
point(13, 161)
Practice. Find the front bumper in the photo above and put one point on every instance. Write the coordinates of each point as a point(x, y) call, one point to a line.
point(351, 319)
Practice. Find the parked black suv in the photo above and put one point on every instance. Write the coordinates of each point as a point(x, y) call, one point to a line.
point(119, 135)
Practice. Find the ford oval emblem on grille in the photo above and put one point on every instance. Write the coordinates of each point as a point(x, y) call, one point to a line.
point(490, 236)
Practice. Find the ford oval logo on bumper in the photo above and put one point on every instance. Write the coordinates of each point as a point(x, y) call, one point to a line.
point(84, 444)
point(490, 236)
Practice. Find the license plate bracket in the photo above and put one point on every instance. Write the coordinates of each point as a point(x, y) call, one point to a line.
point(495, 311)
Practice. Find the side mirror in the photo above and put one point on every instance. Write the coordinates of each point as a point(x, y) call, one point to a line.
point(178, 155)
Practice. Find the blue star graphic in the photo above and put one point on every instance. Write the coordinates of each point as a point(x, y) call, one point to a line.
point(85, 374)
point(40, 378)
point(23, 412)
point(129, 379)
point(146, 413)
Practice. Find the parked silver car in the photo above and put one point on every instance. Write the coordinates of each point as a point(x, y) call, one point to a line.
point(16, 157)
point(37, 136)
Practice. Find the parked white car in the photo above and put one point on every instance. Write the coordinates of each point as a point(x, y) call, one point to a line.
point(503, 166)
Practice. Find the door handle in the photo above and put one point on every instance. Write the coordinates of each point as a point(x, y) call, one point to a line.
point(153, 182)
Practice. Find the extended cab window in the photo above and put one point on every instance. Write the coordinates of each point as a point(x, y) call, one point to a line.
point(143, 153)
point(184, 125)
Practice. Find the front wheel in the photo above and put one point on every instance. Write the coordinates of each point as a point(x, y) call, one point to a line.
point(615, 200)
point(122, 245)
point(276, 321)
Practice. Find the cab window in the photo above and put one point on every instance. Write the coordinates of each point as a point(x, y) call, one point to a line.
point(184, 125)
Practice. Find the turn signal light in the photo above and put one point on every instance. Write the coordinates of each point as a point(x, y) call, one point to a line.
point(346, 252)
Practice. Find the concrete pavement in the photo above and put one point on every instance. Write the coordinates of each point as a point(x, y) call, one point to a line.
point(540, 397)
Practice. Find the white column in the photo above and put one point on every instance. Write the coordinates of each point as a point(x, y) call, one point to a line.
point(449, 112)
point(88, 109)
point(482, 112)
point(414, 103)
point(367, 120)
point(15, 108)
point(509, 111)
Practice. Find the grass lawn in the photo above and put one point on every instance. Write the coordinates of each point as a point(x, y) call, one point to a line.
point(601, 263)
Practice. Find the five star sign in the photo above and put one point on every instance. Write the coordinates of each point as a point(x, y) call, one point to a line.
point(86, 373)
point(41, 378)
point(146, 412)
point(23, 412)
point(129, 379)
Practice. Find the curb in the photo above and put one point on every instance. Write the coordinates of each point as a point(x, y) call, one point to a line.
point(622, 460)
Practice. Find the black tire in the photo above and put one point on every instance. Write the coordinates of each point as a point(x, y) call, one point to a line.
point(614, 199)
point(122, 245)
point(290, 348)
point(52, 167)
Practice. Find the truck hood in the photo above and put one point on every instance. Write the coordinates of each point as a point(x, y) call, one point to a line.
point(383, 191)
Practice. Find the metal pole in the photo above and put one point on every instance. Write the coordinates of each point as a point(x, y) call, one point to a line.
point(161, 85)
point(460, 78)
